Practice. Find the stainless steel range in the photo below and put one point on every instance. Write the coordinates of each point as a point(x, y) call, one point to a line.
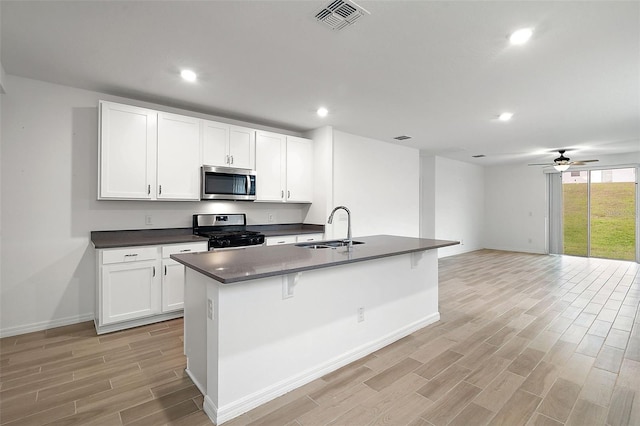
point(226, 230)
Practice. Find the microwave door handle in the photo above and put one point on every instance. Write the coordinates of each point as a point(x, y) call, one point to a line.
point(248, 184)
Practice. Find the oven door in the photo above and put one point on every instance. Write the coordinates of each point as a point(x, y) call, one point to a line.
point(224, 183)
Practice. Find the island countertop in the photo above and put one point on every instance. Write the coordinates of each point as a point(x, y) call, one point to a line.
point(250, 263)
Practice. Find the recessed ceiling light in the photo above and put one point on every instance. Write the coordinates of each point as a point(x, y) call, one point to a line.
point(188, 75)
point(521, 36)
point(505, 116)
point(322, 112)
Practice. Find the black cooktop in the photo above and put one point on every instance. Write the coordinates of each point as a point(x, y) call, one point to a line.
point(225, 230)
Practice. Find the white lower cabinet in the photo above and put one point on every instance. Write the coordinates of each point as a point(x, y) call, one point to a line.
point(172, 285)
point(140, 285)
point(130, 290)
point(173, 275)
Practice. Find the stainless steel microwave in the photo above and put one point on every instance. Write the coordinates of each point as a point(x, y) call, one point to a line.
point(226, 183)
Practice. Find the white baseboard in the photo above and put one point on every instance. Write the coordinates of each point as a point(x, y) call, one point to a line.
point(45, 325)
point(227, 412)
point(109, 328)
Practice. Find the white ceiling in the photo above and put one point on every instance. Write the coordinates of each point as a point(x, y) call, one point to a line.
point(438, 71)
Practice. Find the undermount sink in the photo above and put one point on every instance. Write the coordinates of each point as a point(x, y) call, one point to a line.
point(327, 244)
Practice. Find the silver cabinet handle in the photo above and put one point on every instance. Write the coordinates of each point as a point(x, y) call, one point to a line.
point(159, 189)
point(232, 159)
point(154, 271)
point(288, 194)
point(185, 250)
point(165, 270)
point(281, 193)
point(226, 161)
point(148, 189)
point(131, 255)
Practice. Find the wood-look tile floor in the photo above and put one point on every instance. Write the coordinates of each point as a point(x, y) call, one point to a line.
point(523, 340)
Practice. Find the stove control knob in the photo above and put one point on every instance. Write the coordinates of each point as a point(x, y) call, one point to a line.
point(252, 240)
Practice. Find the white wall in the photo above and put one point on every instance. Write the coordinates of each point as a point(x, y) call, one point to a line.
point(459, 205)
point(428, 196)
point(49, 207)
point(379, 183)
point(323, 175)
point(515, 208)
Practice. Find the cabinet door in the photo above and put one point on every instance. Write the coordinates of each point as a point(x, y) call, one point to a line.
point(178, 157)
point(129, 291)
point(215, 142)
point(128, 137)
point(172, 285)
point(242, 147)
point(270, 162)
point(299, 170)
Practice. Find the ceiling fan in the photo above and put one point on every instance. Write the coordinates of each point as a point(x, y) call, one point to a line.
point(562, 163)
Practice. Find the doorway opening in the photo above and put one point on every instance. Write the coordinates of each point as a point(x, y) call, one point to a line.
point(599, 213)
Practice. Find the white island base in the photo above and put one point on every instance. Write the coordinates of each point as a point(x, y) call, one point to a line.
point(250, 342)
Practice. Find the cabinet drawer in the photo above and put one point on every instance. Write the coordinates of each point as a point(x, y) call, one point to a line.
point(285, 239)
point(183, 248)
point(304, 238)
point(131, 254)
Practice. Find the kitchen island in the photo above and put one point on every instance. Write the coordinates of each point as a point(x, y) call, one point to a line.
point(262, 321)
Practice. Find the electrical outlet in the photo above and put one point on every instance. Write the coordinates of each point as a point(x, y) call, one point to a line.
point(148, 220)
point(269, 217)
point(210, 309)
point(360, 314)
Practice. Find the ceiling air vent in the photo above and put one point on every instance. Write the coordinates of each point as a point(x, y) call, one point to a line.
point(339, 14)
point(402, 138)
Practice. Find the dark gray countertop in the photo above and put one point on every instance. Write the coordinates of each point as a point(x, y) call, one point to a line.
point(287, 229)
point(143, 237)
point(152, 237)
point(232, 266)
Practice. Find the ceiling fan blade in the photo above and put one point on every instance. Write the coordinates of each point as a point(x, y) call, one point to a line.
point(540, 164)
point(582, 162)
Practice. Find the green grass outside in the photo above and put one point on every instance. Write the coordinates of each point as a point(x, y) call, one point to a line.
point(612, 220)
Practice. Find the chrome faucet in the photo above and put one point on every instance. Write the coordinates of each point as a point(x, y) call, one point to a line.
point(349, 240)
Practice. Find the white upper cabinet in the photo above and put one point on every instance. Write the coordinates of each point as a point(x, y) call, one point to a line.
point(285, 168)
point(299, 170)
point(270, 166)
point(242, 147)
point(128, 139)
point(178, 157)
point(148, 155)
point(215, 143)
point(227, 145)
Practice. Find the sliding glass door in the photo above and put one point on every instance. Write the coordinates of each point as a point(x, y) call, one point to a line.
point(599, 213)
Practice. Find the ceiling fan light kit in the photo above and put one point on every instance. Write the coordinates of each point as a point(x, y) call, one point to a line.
point(563, 163)
point(562, 167)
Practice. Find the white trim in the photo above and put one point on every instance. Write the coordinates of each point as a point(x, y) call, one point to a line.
point(45, 325)
point(137, 322)
point(593, 167)
point(220, 415)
